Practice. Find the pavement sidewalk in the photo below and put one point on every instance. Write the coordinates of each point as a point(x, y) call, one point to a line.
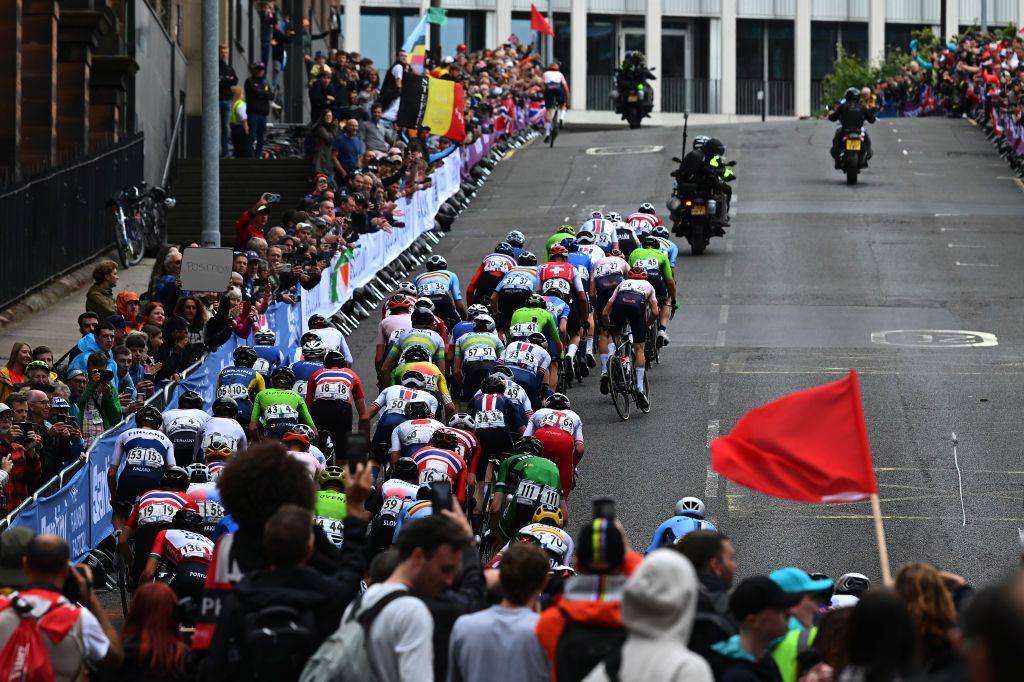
point(56, 325)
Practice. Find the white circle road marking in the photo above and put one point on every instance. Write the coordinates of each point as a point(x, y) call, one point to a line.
point(934, 338)
point(610, 151)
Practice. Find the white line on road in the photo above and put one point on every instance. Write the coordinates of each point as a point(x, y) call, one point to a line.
point(723, 314)
point(905, 152)
point(927, 175)
point(959, 479)
point(711, 484)
point(712, 430)
point(713, 393)
point(715, 368)
point(728, 269)
point(720, 341)
point(977, 265)
point(948, 215)
point(583, 191)
point(588, 179)
point(962, 246)
point(958, 229)
point(728, 245)
point(575, 205)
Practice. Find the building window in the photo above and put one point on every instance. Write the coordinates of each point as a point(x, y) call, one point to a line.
point(375, 38)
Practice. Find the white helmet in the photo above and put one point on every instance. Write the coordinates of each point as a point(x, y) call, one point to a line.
point(853, 584)
point(266, 337)
point(313, 348)
point(486, 320)
point(614, 216)
point(476, 309)
point(407, 288)
point(461, 420)
point(690, 506)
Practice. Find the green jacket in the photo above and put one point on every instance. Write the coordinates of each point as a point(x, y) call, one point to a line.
point(789, 648)
point(110, 407)
point(100, 300)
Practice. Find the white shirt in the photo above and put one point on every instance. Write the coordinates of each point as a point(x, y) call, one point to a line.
point(554, 78)
point(223, 429)
point(401, 639)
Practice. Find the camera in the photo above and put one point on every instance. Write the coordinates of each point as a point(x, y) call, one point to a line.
point(106, 375)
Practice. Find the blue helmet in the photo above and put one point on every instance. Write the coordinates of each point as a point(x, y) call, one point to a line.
point(570, 244)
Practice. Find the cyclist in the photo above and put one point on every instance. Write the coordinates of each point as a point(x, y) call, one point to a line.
point(561, 432)
point(517, 240)
point(559, 234)
point(440, 461)
point(629, 304)
point(688, 516)
point(333, 338)
point(498, 423)
point(644, 219)
point(268, 356)
point(603, 229)
point(332, 393)
point(608, 273)
point(415, 432)
point(514, 392)
point(556, 94)
point(538, 316)
point(277, 409)
point(463, 426)
point(441, 286)
point(546, 532)
point(204, 491)
point(396, 493)
point(391, 405)
point(330, 510)
point(667, 246)
point(475, 355)
point(587, 242)
point(313, 450)
point(140, 454)
point(183, 424)
point(466, 326)
point(398, 318)
point(524, 481)
point(584, 266)
point(421, 334)
point(153, 513)
point(529, 362)
point(297, 442)
point(513, 290)
point(490, 271)
point(221, 429)
point(439, 325)
point(312, 361)
point(242, 381)
point(625, 238)
point(559, 278)
point(659, 275)
point(186, 553)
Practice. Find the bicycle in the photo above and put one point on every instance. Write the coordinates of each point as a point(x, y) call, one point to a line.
point(555, 113)
point(564, 376)
point(653, 348)
point(128, 233)
point(622, 378)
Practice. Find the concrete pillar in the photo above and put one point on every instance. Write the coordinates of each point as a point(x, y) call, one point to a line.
point(1020, 13)
point(502, 21)
point(351, 8)
point(490, 29)
point(10, 83)
point(39, 83)
point(578, 54)
point(76, 41)
point(802, 58)
point(652, 45)
point(727, 43)
point(714, 64)
point(876, 31)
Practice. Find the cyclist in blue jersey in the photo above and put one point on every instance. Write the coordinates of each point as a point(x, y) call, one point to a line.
point(688, 517)
point(584, 265)
point(514, 288)
point(140, 455)
point(313, 351)
point(517, 240)
point(668, 247)
point(268, 356)
point(241, 382)
point(441, 286)
point(466, 326)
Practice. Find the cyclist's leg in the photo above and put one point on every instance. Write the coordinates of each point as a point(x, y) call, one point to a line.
point(638, 324)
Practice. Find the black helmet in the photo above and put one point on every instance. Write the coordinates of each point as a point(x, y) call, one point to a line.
point(225, 406)
point(557, 401)
point(334, 360)
point(245, 356)
point(527, 258)
point(852, 94)
point(175, 478)
point(416, 353)
point(436, 262)
point(528, 445)
point(444, 438)
point(187, 519)
point(651, 242)
point(149, 414)
point(317, 322)
point(190, 400)
point(714, 147)
point(307, 337)
point(501, 371)
point(492, 383)
point(417, 409)
point(422, 317)
point(406, 469)
point(646, 207)
point(505, 249)
point(282, 377)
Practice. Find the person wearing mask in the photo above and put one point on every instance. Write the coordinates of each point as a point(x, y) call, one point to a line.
point(760, 607)
point(257, 100)
point(851, 115)
point(228, 80)
point(713, 556)
point(99, 298)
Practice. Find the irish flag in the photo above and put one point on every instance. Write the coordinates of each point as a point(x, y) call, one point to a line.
point(436, 103)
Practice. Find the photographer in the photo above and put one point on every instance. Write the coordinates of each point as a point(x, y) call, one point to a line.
point(65, 439)
point(98, 407)
point(19, 457)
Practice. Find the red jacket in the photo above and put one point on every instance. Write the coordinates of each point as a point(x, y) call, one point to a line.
point(246, 229)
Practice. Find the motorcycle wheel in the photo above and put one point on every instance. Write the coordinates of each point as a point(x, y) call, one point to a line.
point(678, 228)
point(698, 245)
point(850, 166)
point(634, 117)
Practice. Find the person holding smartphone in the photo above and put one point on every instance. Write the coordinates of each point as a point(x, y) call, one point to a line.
point(66, 442)
point(98, 406)
point(24, 461)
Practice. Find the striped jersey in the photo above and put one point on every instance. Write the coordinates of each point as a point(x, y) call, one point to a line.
point(566, 420)
point(438, 464)
point(642, 223)
point(142, 452)
point(438, 283)
point(468, 447)
point(334, 384)
point(478, 346)
point(182, 546)
point(427, 338)
point(159, 506)
point(392, 400)
point(604, 231)
point(413, 434)
point(527, 356)
point(593, 251)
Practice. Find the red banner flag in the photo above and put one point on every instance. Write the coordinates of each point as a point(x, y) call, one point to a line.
point(809, 446)
point(538, 23)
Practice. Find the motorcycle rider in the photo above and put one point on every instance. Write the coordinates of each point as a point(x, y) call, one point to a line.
point(696, 167)
point(851, 114)
point(630, 75)
point(556, 93)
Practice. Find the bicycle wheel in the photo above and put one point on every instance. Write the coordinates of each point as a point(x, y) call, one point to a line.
point(563, 381)
point(620, 387)
point(121, 240)
point(136, 241)
point(554, 128)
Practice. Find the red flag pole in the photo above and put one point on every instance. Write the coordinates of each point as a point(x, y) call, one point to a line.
point(876, 505)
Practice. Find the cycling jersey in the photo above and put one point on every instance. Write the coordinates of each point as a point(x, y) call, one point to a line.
point(634, 293)
point(412, 510)
point(519, 278)
point(240, 384)
point(393, 399)
point(518, 468)
point(304, 369)
point(333, 339)
point(626, 238)
point(411, 435)
point(391, 327)
point(176, 546)
point(593, 251)
point(555, 542)
point(604, 232)
point(313, 464)
point(559, 279)
point(670, 249)
point(642, 223)
point(654, 261)
point(394, 493)
point(526, 356)
point(554, 78)
point(583, 265)
point(566, 420)
point(674, 528)
point(268, 358)
point(140, 456)
point(276, 409)
point(336, 385)
point(438, 283)
point(551, 241)
point(488, 274)
point(525, 321)
point(555, 88)
point(438, 464)
point(427, 338)
point(495, 411)
point(558, 308)
point(182, 426)
point(461, 328)
point(478, 347)
point(528, 481)
point(220, 432)
point(609, 271)
point(159, 506)
point(517, 394)
point(329, 513)
point(207, 498)
point(468, 447)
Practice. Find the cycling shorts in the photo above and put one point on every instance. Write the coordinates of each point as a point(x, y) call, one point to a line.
point(382, 532)
point(444, 307)
point(633, 314)
point(381, 443)
point(473, 374)
point(188, 578)
point(660, 289)
point(494, 444)
point(485, 285)
point(332, 417)
point(278, 427)
point(509, 301)
point(517, 513)
point(560, 448)
point(131, 486)
point(145, 536)
point(554, 95)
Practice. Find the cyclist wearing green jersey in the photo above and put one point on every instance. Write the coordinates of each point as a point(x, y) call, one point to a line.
point(330, 510)
point(659, 274)
point(561, 233)
point(275, 410)
point(523, 482)
point(536, 317)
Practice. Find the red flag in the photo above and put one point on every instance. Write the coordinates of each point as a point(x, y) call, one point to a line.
point(809, 446)
point(538, 23)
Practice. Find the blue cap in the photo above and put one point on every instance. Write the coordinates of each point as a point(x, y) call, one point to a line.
point(59, 403)
point(793, 580)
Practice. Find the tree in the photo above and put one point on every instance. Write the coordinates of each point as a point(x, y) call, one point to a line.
point(847, 72)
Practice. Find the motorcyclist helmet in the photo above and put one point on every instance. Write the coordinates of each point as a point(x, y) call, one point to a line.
point(714, 147)
point(692, 507)
point(505, 249)
point(852, 94)
point(244, 356)
point(527, 258)
point(700, 141)
point(190, 400)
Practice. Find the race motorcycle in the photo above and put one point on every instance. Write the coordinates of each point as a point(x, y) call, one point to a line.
point(698, 213)
point(634, 100)
point(852, 154)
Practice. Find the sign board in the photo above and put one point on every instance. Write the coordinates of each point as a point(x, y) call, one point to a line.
point(206, 268)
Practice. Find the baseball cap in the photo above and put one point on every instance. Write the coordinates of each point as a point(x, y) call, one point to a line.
point(252, 255)
point(796, 581)
point(4, 407)
point(262, 208)
point(13, 545)
point(448, 60)
point(758, 593)
point(116, 320)
point(59, 403)
point(461, 47)
point(600, 542)
point(71, 375)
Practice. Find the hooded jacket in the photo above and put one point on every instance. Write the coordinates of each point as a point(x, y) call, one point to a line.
point(88, 345)
point(658, 607)
point(123, 298)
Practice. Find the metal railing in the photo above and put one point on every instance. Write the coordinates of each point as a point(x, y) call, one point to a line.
point(817, 96)
point(696, 95)
point(599, 90)
point(779, 97)
point(173, 151)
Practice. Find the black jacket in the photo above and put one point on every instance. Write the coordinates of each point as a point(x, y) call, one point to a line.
point(694, 168)
point(447, 606)
point(713, 622)
point(318, 102)
point(257, 96)
point(729, 669)
point(228, 80)
point(852, 115)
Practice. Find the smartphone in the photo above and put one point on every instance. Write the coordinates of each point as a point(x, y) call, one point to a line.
point(149, 376)
point(357, 450)
point(273, 198)
point(440, 495)
point(604, 508)
point(260, 282)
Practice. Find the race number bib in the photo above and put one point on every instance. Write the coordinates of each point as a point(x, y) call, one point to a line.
point(518, 281)
point(639, 226)
point(159, 512)
point(497, 265)
point(332, 390)
point(489, 419)
point(217, 440)
point(210, 510)
point(334, 529)
point(583, 272)
point(557, 286)
point(194, 550)
point(535, 492)
point(481, 352)
point(144, 457)
point(233, 391)
point(434, 472)
point(432, 288)
point(300, 387)
point(262, 366)
point(649, 264)
point(605, 269)
point(183, 424)
point(523, 358)
point(557, 421)
point(524, 329)
point(281, 413)
point(392, 505)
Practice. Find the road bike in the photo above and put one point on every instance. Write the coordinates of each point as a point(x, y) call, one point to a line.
point(555, 114)
point(622, 377)
point(653, 348)
point(128, 230)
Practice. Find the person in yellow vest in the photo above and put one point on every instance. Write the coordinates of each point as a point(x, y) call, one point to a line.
point(239, 121)
point(802, 629)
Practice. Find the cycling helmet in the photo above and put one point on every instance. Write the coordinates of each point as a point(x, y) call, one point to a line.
point(308, 336)
point(690, 506)
point(282, 377)
point(445, 439)
point(714, 147)
point(313, 349)
point(414, 379)
point(596, 214)
point(616, 253)
point(501, 371)
point(566, 229)
point(422, 317)
point(149, 414)
point(463, 421)
point(436, 262)
point(527, 258)
point(614, 216)
point(557, 401)
point(483, 323)
point(700, 141)
point(424, 303)
point(637, 272)
point(317, 322)
point(492, 383)
point(293, 435)
point(416, 353)
point(528, 445)
point(215, 469)
point(174, 477)
point(335, 360)
point(536, 301)
point(218, 449)
point(398, 301)
point(853, 584)
point(661, 231)
point(417, 409)
point(651, 242)
point(244, 356)
point(187, 519)
point(537, 339)
point(225, 406)
point(553, 66)
point(559, 251)
point(190, 400)
point(570, 244)
point(516, 238)
point(585, 237)
point(265, 337)
point(476, 309)
point(505, 249)
point(332, 475)
point(405, 469)
point(852, 95)
point(304, 430)
point(549, 516)
point(407, 288)
point(198, 473)
point(646, 207)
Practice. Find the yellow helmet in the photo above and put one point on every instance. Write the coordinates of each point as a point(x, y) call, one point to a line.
point(332, 475)
point(550, 516)
point(218, 449)
point(566, 229)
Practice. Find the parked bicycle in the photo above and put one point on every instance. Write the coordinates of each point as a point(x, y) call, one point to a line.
point(140, 221)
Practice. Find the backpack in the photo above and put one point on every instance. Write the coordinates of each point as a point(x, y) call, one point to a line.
point(345, 656)
point(583, 646)
point(277, 641)
point(720, 617)
point(28, 656)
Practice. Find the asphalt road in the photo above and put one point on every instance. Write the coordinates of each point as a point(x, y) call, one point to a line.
point(930, 240)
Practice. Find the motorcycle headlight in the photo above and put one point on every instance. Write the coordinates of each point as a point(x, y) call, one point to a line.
point(673, 204)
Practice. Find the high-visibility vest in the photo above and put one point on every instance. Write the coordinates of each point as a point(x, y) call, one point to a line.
point(236, 118)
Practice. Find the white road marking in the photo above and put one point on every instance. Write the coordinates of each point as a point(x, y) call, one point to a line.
point(588, 179)
point(713, 394)
point(713, 428)
point(715, 368)
point(905, 152)
point(934, 338)
point(720, 340)
point(959, 479)
point(711, 484)
point(583, 191)
point(575, 205)
point(636, 149)
point(977, 265)
point(728, 245)
point(962, 246)
point(728, 269)
point(958, 229)
point(723, 314)
point(927, 175)
point(948, 215)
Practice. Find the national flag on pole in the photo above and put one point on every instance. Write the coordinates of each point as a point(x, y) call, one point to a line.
point(437, 103)
point(417, 35)
point(809, 446)
point(538, 23)
point(418, 58)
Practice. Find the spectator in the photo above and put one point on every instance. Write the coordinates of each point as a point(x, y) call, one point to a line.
point(102, 341)
point(67, 444)
point(830, 644)
point(882, 643)
point(166, 287)
point(993, 629)
point(761, 608)
point(128, 309)
point(48, 568)
point(14, 372)
point(153, 649)
point(154, 314)
point(13, 545)
point(931, 607)
point(43, 354)
point(391, 89)
point(241, 140)
point(714, 558)
point(22, 457)
point(346, 150)
point(76, 381)
point(322, 135)
point(225, 89)
point(100, 297)
point(137, 344)
point(499, 643)
point(192, 310)
point(252, 222)
point(374, 135)
point(178, 354)
point(813, 594)
point(258, 98)
point(119, 326)
point(128, 394)
point(323, 96)
point(98, 406)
